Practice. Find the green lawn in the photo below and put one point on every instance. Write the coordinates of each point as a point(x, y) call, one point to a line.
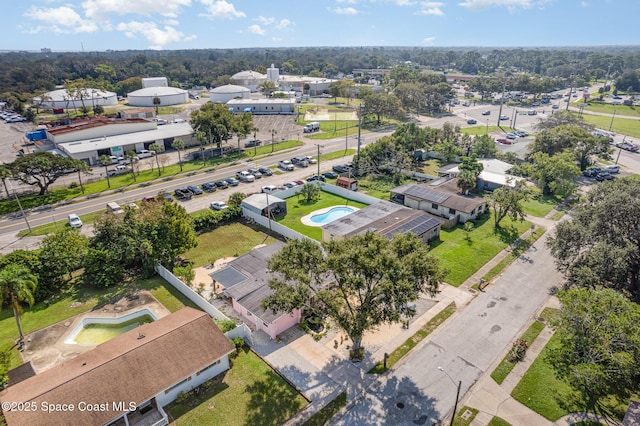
point(610, 108)
point(504, 368)
point(540, 390)
point(459, 421)
point(463, 258)
point(233, 239)
point(412, 341)
point(336, 154)
point(498, 421)
point(379, 186)
point(624, 126)
point(540, 205)
point(321, 417)
point(297, 207)
point(76, 301)
point(249, 393)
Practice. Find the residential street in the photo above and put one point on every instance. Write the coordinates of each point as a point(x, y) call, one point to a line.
point(416, 391)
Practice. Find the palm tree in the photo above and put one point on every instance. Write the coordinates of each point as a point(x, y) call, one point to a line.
point(105, 160)
point(157, 149)
point(17, 284)
point(81, 167)
point(132, 158)
point(178, 145)
point(273, 133)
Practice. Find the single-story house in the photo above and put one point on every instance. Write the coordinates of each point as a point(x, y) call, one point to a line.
point(454, 208)
point(246, 282)
point(494, 175)
point(128, 379)
point(263, 204)
point(385, 218)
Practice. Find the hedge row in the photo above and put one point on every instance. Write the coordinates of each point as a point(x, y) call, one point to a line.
point(211, 219)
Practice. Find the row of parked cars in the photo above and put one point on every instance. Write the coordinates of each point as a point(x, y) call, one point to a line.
point(11, 117)
point(290, 165)
point(602, 173)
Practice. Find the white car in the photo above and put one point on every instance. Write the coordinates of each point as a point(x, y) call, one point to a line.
point(245, 176)
point(286, 165)
point(219, 205)
point(269, 189)
point(311, 160)
point(74, 221)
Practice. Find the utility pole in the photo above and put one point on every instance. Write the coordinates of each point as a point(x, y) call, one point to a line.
point(24, 215)
point(318, 145)
point(359, 129)
point(504, 87)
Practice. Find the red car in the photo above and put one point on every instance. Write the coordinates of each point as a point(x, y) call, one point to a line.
point(504, 141)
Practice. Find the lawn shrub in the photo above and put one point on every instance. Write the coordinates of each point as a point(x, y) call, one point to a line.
point(211, 219)
point(518, 351)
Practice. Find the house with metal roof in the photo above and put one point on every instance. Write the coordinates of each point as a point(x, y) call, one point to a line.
point(454, 208)
point(126, 380)
point(385, 218)
point(246, 282)
point(495, 174)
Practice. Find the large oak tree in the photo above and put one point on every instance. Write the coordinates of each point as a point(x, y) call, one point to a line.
point(359, 282)
point(41, 169)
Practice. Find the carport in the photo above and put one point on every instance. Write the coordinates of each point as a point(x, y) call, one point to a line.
point(264, 204)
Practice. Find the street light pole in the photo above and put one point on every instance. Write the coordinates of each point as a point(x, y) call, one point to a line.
point(24, 215)
point(319, 146)
point(612, 117)
point(459, 385)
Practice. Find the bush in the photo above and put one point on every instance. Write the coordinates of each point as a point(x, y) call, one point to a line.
point(73, 185)
point(226, 325)
point(212, 219)
point(518, 351)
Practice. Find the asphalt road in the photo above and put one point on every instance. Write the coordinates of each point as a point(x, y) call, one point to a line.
point(417, 392)
point(137, 192)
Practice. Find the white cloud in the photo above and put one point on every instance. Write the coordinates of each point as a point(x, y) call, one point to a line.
point(347, 1)
point(266, 21)
point(101, 8)
point(345, 11)
point(221, 10)
point(60, 20)
point(403, 2)
point(428, 41)
point(284, 24)
point(256, 29)
point(431, 8)
point(584, 4)
point(157, 37)
point(479, 4)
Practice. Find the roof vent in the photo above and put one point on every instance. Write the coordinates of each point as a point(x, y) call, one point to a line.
point(140, 336)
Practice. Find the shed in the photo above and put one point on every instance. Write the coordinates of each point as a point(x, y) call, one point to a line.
point(263, 204)
point(348, 183)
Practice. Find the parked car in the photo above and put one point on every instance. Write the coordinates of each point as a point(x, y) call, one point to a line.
point(118, 170)
point(182, 194)
point(504, 117)
point(149, 199)
point(252, 143)
point(521, 133)
point(315, 178)
point(255, 172)
point(504, 141)
point(165, 196)
point(265, 171)
point(592, 172)
point(300, 161)
point(269, 189)
point(245, 176)
point(341, 168)
point(219, 205)
point(232, 181)
point(486, 112)
point(511, 136)
point(298, 182)
point(222, 184)
point(310, 159)
point(194, 190)
point(472, 121)
point(604, 176)
point(145, 153)
point(286, 165)
point(74, 221)
point(289, 184)
point(330, 175)
point(613, 168)
point(209, 186)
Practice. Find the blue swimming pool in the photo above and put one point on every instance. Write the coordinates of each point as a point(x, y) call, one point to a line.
point(334, 213)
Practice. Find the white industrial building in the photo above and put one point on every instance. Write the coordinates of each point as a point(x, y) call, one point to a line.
point(167, 96)
point(154, 82)
point(64, 99)
point(249, 79)
point(262, 106)
point(224, 94)
point(317, 85)
point(87, 140)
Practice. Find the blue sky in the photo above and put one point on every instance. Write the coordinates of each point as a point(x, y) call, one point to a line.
point(96, 25)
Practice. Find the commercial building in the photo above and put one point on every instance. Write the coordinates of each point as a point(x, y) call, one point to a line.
point(74, 99)
point(262, 106)
point(167, 95)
